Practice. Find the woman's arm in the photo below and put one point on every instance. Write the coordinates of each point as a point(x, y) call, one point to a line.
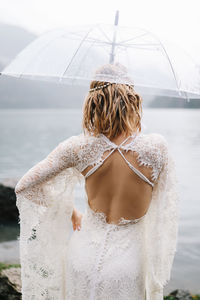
point(63, 156)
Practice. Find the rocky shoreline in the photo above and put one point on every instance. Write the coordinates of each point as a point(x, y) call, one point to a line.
point(10, 282)
point(10, 285)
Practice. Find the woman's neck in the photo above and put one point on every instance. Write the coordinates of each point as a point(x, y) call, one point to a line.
point(120, 138)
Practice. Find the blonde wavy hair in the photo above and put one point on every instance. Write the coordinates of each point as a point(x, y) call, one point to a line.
point(113, 109)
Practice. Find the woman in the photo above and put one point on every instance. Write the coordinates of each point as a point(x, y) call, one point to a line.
point(126, 239)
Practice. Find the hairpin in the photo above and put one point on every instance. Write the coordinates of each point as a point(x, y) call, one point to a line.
point(105, 85)
point(100, 87)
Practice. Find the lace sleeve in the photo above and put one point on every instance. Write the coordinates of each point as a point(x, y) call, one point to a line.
point(63, 156)
point(162, 225)
point(45, 200)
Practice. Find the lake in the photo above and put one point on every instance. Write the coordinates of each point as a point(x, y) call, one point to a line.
point(27, 136)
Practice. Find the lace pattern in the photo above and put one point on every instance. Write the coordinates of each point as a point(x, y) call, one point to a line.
point(151, 151)
point(53, 265)
point(111, 271)
point(149, 148)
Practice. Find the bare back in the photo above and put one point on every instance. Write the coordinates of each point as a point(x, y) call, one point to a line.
point(115, 189)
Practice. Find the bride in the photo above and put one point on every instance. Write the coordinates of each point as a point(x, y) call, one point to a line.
point(126, 239)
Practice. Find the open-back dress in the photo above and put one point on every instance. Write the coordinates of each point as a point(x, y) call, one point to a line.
point(130, 260)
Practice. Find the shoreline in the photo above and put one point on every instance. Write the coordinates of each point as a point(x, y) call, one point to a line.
point(10, 280)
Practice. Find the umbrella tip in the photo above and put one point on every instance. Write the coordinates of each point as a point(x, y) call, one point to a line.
point(116, 18)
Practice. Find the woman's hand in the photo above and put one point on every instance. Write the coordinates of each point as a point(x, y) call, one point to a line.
point(76, 219)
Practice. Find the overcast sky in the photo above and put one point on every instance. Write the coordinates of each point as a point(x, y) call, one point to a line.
point(175, 20)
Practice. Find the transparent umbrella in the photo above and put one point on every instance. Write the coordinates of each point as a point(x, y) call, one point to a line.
point(72, 56)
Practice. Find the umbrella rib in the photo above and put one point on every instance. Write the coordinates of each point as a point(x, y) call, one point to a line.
point(172, 69)
point(120, 44)
point(21, 74)
point(76, 51)
point(104, 34)
point(137, 45)
point(84, 56)
point(125, 41)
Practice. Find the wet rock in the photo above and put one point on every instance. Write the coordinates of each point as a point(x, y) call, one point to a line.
point(10, 284)
point(8, 209)
point(181, 295)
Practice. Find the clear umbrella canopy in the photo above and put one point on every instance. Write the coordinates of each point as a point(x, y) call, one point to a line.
point(75, 56)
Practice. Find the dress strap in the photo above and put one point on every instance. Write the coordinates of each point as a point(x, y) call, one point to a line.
point(118, 146)
point(114, 147)
point(140, 174)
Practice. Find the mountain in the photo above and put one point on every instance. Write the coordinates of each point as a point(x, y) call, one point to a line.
point(12, 40)
point(167, 102)
point(35, 94)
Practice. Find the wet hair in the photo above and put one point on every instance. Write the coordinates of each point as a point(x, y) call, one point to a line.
point(111, 109)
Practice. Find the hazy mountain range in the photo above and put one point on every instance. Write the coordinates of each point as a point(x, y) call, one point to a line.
point(12, 40)
point(21, 93)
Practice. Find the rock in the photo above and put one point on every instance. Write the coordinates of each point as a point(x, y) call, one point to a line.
point(181, 295)
point(10, 284)
point(8, 209)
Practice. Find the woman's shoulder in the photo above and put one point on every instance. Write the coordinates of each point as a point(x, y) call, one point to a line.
point(152, 149)
point(79, 140)
point(152, 146)
point(154, 136)
point(154, 139)
point(146, 141)
point(71, 140)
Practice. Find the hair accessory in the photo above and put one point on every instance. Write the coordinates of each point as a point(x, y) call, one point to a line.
point(100, 87)
point(105, 85)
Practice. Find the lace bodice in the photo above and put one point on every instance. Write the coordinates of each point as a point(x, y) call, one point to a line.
point(86, 150)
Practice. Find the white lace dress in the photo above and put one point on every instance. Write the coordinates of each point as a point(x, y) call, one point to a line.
point(128, 260)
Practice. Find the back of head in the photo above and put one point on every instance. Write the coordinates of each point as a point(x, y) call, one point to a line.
point(112, 106)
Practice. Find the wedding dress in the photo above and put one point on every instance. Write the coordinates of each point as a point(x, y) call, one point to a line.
point(128, 260)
